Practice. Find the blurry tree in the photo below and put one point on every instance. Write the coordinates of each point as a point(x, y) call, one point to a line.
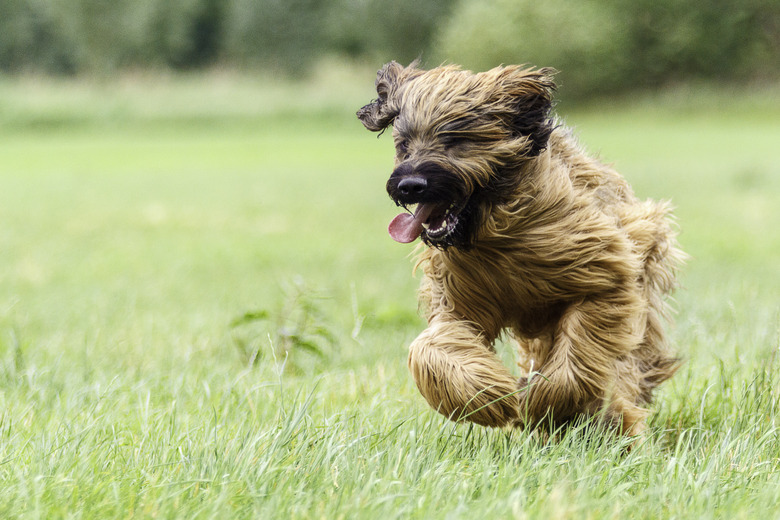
point(31, 38)
point(381, 31)
point(582, 39)
point(710, 39)
point(71, 36)
point(283, 34)
point(603, 46)
point(180, 34)
point(600, 46)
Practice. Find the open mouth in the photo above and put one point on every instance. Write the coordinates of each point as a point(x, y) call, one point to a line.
point(436, 220)
point(441, 224)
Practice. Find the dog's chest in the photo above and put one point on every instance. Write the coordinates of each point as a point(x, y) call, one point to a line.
point(483, 288)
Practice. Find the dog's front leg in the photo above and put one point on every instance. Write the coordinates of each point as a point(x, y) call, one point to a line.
point(580, 373)
point(460, 375)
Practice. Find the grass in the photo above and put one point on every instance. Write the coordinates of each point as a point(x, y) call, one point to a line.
point(201, 315)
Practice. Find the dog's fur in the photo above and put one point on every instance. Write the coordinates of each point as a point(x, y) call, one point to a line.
point(534, 238)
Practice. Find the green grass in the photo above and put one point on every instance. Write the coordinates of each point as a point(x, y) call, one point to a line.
point(202, 316)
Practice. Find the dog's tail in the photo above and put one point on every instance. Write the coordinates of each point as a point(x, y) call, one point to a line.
point(654, 233)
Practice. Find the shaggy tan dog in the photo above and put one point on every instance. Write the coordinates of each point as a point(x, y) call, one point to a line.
point(529, 236)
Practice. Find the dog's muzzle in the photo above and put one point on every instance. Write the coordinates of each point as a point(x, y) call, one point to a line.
point(430, 188)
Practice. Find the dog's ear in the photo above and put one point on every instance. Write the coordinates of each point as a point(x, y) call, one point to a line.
point(381, 112)
point(531, 92)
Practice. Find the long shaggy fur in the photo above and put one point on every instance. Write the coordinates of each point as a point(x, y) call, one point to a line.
point(543, 243)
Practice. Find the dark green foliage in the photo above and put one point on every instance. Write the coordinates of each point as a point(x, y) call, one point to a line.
point(60, 36)
point(32, 38)
point(380, 30)
point(600, 46)
point(181, 34)
point(96, 36)
point(282, 34)
point(711, 39)
point(606, 46)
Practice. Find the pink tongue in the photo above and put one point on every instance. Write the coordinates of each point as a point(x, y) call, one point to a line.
point(406, 228)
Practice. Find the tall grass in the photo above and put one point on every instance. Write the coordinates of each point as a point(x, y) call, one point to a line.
point(201, 316)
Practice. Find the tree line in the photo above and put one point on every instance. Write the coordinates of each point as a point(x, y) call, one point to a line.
point(598, 44)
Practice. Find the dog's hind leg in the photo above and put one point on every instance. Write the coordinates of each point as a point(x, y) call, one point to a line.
point(461, 376)
point(579, 377)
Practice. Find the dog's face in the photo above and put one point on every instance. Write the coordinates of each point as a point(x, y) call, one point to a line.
point(461, 140)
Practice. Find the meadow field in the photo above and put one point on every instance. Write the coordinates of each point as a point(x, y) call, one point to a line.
point(202, 314)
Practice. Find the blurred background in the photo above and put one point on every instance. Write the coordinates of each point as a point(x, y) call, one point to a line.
point(158, 142)
point(148, 144)
point(601, 46)
point(193, 239)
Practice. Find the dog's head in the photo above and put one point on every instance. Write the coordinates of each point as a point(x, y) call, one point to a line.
point(461, 140)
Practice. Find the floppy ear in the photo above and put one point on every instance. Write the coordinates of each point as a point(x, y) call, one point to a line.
point(381, 112)
point(531, 91)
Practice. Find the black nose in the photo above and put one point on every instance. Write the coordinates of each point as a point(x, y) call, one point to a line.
point(410, 186)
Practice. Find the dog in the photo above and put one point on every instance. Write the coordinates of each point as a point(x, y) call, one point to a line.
point(529, 238)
